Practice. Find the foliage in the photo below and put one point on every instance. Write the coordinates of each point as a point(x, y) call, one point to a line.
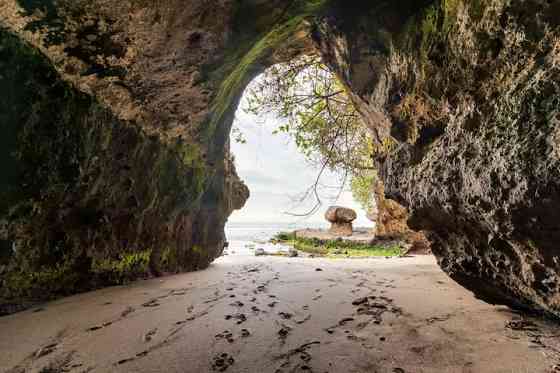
point(237, 135)
point(361, 186)
point(317, 111)
point(337, 248)
point(283, 236)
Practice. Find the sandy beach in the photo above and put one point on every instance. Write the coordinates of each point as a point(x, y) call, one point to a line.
point(273, 314)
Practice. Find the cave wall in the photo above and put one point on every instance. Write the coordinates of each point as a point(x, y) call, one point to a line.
point(126, 140)
point(90, 200)
point(104, 179)
point(464, 99)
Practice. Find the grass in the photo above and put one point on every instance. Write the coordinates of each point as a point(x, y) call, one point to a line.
point(336, 248)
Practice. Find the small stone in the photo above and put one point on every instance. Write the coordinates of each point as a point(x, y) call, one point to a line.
point(292, 253)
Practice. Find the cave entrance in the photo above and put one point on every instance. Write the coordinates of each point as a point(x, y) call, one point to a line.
point(300, 147)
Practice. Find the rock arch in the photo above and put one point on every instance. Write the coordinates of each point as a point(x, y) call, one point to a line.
point(461, 96)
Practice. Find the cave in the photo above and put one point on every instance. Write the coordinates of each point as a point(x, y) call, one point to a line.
point(115, 121)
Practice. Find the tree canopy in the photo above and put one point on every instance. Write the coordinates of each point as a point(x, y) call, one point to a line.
point(317, 113)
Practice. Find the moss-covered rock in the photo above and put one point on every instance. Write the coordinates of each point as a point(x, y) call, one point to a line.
point(468, 97)
point(89, 200)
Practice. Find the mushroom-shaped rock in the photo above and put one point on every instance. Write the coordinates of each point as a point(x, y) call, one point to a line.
point(341, 219)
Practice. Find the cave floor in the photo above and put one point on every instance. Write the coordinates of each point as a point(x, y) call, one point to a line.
point(273, 314)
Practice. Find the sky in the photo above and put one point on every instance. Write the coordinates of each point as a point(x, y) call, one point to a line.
point(277, 174)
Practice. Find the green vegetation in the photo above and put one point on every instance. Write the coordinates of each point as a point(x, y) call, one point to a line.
point(129, 266)
point(65, 278)
point(362, 189)
point(317, 113)
point(336, 248)
point(321, 119)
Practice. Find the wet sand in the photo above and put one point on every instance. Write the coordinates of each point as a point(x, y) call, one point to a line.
point(273, 314)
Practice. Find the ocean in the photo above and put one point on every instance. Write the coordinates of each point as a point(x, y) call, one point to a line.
point(244, 238)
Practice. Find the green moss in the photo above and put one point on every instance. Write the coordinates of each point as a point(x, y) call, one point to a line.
point(247, 59)
point(128, 266)
point(79, 184)
point(45, 282)
point(169, 260)
point(191, 156)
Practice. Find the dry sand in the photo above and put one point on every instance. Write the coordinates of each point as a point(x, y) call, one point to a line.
point(270, 314)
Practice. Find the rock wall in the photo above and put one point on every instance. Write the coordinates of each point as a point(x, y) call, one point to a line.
point(106, 178)
point(463, 98)
point(391, 221)
point(125, 140)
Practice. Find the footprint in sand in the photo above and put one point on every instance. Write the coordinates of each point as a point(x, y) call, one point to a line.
point(149, 335)
point(301, 321)
point(151, 303)
point(284, 332)
point(45, 350)
point(240, 317)
point(127, 311)
point(222, 362)
point(97, 327)
point(345, 321)
point(226, 334)
point(285, 315)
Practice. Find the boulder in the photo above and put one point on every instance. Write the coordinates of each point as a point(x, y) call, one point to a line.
point(341, 219)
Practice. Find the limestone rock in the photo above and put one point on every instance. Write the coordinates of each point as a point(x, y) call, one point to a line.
point(341, 219)
point(467, 121)
point(390, 217)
